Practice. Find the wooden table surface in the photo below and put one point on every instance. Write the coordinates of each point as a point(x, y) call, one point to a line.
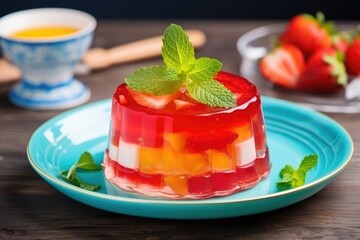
point(32, 209)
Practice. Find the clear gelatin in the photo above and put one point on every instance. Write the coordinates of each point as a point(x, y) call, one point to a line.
point(185, 149)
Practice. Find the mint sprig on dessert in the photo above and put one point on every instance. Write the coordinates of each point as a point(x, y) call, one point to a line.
point(86, 163)
point(291, 178)
point(182, 71)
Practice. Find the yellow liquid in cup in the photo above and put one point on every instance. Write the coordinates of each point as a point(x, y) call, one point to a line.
point(44, 32)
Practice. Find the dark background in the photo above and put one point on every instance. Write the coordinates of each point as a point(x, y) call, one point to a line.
point(196, 9)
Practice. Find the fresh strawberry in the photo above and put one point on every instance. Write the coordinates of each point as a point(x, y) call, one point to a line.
point(352, 57)
point(151, 101)
point(324, 72)
point(308, 33)
point(283, 65)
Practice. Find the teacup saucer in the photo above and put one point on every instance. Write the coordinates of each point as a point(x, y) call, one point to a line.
point(65, 95)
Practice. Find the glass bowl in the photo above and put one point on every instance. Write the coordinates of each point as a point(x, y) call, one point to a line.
point(254, 44)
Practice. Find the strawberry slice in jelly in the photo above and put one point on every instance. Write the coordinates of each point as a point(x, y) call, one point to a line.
point(182, 104)
point(240, 87)
point(217, 139)
point(151, 101)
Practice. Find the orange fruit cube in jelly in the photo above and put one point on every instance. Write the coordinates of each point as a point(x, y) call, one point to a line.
point(176, 140)
point(178, 183)
point(150, 161)
point(196, 163)
point(173, 161)
point(244, 132)
point(220, 161)
point(231, 151)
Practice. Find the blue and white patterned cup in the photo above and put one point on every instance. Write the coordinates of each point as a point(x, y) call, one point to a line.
point(47, 64)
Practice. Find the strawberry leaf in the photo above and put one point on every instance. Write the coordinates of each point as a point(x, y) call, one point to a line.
point(338, 69)
point(327, 25)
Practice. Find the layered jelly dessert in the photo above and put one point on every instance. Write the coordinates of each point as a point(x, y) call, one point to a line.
point(175, 147)
point(185, 129)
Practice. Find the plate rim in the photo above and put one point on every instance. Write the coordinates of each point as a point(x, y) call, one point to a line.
point(210, 201)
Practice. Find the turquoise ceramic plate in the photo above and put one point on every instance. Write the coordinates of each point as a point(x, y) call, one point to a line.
point(293, 132)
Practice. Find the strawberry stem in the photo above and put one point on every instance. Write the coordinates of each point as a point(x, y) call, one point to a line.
point(327, 25)
point(320, 17)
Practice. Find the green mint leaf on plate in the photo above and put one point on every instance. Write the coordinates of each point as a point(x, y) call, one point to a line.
point(159, 80)
point(89, 187)
point(86, 162)
point(285, 182)
point(68, 176)
point(177, 51)
point(182, 71)
point(291, 178)
point(74, 180)
point(308, 162)
point(287, 171)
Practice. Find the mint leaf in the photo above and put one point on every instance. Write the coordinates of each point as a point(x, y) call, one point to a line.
point(89, 187)
point(211, 92)
point(182, 72)
point(298, 178)
point(171, 75)
point(85, 162)
point(285, 183)
point(204, 89)
point(70, 178)
point(308, 162)
point(291, 178)
point(287, 171)
point(155, 80)
point(204, 68)
point(177, 51)
point(74, 180)
point(68, 175)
